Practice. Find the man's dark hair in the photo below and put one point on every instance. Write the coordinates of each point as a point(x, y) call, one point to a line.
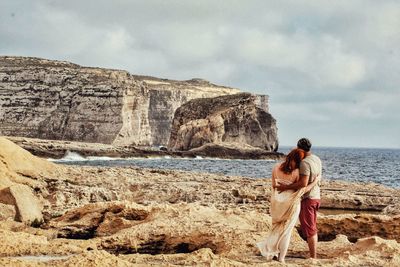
point(304, 144)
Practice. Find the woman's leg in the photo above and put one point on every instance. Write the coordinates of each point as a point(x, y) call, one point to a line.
point(283, 247)
point(285, 241)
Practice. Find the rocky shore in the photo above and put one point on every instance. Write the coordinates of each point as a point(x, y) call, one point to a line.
point(55, 215)
point(57, 149)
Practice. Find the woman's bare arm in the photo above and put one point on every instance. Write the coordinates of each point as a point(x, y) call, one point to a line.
point(273, 177)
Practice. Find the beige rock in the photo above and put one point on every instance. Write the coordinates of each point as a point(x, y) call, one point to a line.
point(18, 243)
point(19, 166)
point(202, 257)
point(362, 196)
point(392, 209)
point(359, 226)
point(28, 208)
point(188, 233)
point(20, 161)
point(184, 234)
point(96, 259)
point(166, 229)
point(7, 211)
point(98, 219)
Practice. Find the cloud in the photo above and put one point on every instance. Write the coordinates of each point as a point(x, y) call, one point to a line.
point(321, 57)
point(331, 64)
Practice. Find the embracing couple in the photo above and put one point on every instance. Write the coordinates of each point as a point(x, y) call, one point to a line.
point(295, 194)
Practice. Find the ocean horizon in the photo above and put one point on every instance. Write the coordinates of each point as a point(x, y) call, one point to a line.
point(287, 147)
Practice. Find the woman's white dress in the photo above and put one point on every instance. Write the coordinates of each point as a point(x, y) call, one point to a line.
point(285, 210)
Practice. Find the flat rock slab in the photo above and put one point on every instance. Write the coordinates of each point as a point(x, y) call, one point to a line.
point(28, 208)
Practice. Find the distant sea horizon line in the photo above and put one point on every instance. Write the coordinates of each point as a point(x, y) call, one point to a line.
point(341, 147)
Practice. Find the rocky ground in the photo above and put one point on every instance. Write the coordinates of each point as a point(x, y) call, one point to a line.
point(53, 215)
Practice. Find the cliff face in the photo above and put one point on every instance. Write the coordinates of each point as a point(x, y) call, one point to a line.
point(241, 119)
point(63, 101)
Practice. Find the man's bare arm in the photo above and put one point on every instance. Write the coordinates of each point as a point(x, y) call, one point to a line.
point(313, 183)
point(302, 182)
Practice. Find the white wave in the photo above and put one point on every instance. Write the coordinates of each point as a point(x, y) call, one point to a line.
point(92, 158)
point(73, 156)
point(70, 156)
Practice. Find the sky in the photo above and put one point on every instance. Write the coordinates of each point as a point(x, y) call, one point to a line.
point(330, 68)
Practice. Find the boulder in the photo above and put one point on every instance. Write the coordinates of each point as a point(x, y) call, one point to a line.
point(238, 118)
point(28, 208)
point(19, 166)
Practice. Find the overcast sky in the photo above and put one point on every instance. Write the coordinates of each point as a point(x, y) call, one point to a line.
point(331, 68)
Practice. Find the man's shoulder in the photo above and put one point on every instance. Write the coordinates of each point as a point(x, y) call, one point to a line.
point(305, 167)
point(312, 158)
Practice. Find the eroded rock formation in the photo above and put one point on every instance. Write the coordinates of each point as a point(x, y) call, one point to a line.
point(239, 119)
point(63, 101)
point(359, 226)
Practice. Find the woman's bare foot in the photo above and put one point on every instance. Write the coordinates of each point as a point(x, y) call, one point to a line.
point(262, 248)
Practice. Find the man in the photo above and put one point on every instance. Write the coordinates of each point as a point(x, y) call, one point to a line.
point(310, 169)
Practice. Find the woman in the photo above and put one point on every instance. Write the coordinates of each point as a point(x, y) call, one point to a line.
point(285, 206)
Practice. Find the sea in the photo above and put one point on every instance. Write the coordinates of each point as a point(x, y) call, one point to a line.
point(378, 165)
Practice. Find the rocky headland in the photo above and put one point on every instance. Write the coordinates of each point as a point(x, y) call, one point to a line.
point(103, 112)
point(87, 216)
point(236, 119)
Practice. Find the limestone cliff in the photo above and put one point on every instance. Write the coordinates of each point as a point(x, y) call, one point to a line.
point(241, 119)
point(63, 101)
